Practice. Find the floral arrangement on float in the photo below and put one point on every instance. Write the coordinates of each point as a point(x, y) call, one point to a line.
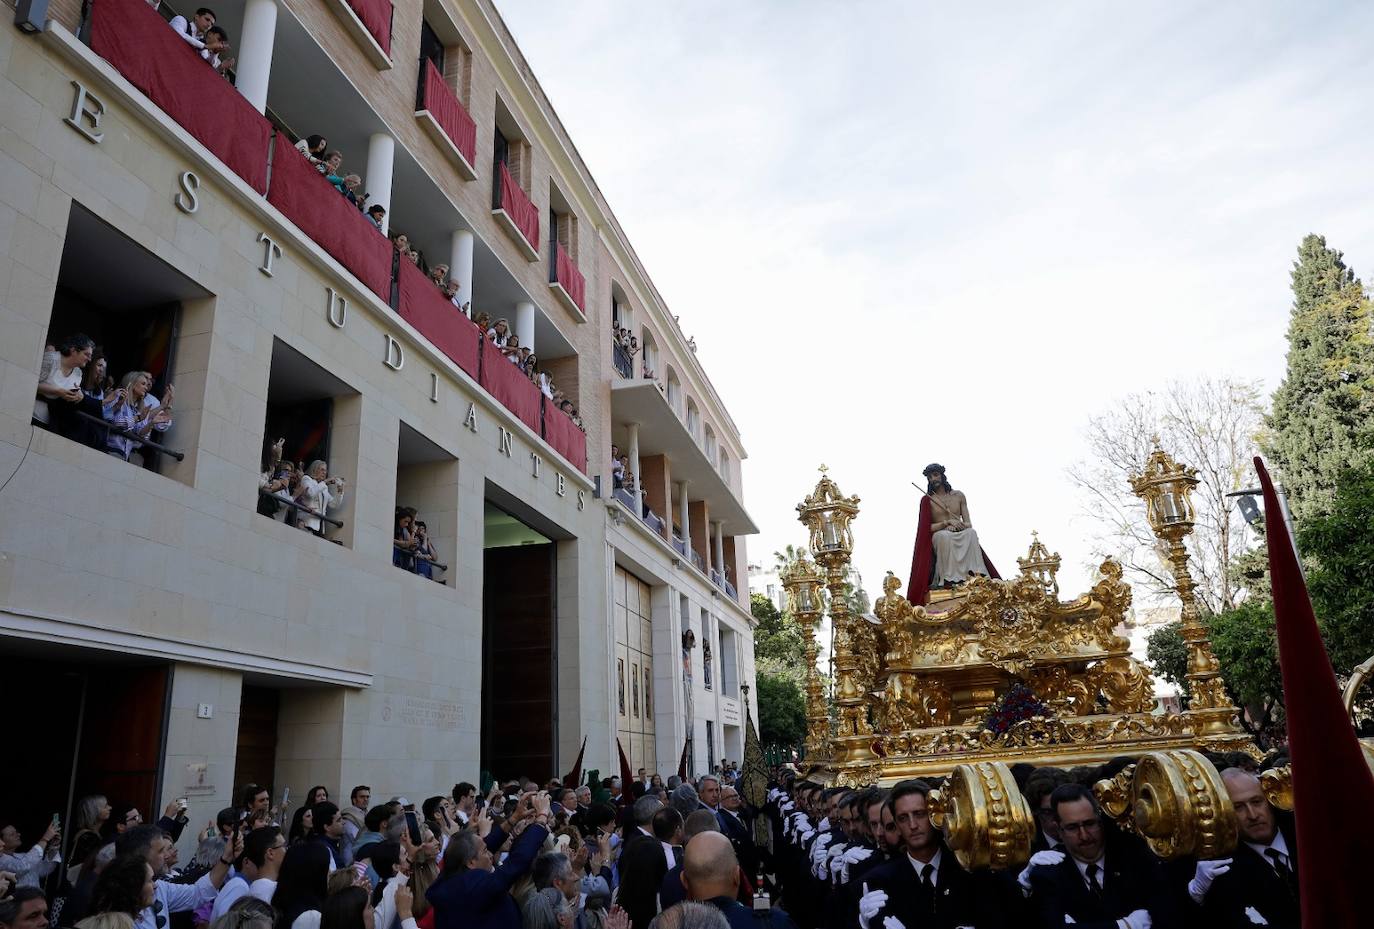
point(1017, 705)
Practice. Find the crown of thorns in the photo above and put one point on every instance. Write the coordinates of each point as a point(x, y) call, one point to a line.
point(933, 469)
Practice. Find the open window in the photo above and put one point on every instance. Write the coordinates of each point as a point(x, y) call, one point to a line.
point(111, 355)
point(425, 534)
point(309, 438)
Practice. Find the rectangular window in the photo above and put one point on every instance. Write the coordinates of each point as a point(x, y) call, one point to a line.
point(634, 689)
point(109, 363)
point(620, 686)
point(648, 701)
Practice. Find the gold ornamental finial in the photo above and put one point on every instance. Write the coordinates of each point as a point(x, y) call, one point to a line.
point(1041, 565)
point(823, 468)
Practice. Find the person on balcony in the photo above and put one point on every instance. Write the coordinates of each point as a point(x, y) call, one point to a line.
point(193, 32)
point(499, 333)
point(313, 147)
point(319, 492)
point(216, 47)
point(375, 214)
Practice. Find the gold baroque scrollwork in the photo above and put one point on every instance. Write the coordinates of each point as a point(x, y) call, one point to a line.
point(1124, 684)
point(986, 820)
point(1181, 806)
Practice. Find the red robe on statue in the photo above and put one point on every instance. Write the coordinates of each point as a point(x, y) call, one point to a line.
point(923, 559)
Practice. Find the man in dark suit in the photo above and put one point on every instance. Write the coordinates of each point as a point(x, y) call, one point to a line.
point(1102, 882)
point(710, 872)
point(473, 892)
point(1260, 879)
point(741, 836)
point(642, 866)
point(672, 890)
point(924, 885)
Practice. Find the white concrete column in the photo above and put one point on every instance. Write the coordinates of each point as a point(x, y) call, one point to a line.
point(634, 468)
point(720, 551)
point(684, 521)
point(460, 264)
point(524, 324)
point(381, 156)
point(253, 69)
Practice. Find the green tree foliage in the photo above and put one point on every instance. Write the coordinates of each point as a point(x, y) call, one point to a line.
point(776, 637)
point(1169, 656)
point(1342, 583)
point(1244, 642)
point(1322, 421)
point(782, 710)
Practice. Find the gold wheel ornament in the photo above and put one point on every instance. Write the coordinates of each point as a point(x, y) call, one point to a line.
point(985, 819)
point(1176, 801)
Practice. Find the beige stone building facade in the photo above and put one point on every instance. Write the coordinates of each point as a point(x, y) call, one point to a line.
point(170, 638)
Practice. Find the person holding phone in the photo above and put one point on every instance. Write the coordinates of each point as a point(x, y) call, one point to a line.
point(31, 867)
point(473, 892)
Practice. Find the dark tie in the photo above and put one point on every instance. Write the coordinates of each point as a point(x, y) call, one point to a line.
point(1093, 883)
point(928, 884)
point(1279, 860)
point(677, 856)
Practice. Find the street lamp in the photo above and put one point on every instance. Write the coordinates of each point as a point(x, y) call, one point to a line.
point(1167, 488)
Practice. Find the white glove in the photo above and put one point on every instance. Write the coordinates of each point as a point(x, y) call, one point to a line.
point(1039, 859)
point(869, 904)
point(892, 922)
point(825, 824)
point(1140, 919)
point(1207, 872)
point(839, 873)
point(857, 854)
point(806, 836)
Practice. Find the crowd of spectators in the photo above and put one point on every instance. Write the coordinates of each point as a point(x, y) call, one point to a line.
point(411, 547)
point(297, 494)
point(77, 398)
point(622, 475)
point(519, 856)
point(329, 162)
point(499, 334)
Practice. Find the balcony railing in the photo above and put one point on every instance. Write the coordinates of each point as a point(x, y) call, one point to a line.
point(444, 117)
point(133, 38)
point(514, 210)
point(624, 364)
point(567, 282)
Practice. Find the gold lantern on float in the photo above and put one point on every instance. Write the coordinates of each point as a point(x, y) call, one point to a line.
point(827, 513)
point(802, 582)
point(1167, 489)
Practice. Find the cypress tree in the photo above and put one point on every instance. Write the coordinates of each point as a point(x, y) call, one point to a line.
point(1322, 422)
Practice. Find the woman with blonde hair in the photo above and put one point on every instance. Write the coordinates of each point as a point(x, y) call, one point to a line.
point(108, 920)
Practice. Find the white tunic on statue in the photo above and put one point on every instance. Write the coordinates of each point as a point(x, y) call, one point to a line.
point(957, 554)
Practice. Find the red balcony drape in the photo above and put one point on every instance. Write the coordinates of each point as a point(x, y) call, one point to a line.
point(375, 15)
point(571, 278)
point(444, 105)
point(509, 385)
point(520, 208)
point(138, 42)
point(437, 319)
point(317, 207)
point(562, 433)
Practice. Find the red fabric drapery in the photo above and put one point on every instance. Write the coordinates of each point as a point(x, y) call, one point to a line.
point(448, 112)
point(437, 319)
point(375, 16)
point(923, 559)
point(562, 433)
point(132, 37)
point(509, 385)
point(317, 207)
point(571, 278)
point(1333, 789)
point(519, 207)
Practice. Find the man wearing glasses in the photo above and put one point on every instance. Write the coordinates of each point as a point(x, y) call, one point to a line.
point(263, 851)
point(1106, 881)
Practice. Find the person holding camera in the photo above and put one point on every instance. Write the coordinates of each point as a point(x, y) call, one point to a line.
point(29, 868)
point(319, 493)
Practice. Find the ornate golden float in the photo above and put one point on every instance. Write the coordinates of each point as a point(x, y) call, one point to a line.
point(914, 684)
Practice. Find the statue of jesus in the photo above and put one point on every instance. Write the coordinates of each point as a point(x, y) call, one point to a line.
point(947, 550)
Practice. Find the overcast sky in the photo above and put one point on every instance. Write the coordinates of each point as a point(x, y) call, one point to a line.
point(907, 232)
